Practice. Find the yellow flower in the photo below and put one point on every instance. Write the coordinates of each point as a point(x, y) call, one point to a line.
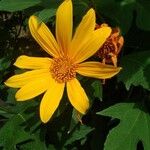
point(50, 75)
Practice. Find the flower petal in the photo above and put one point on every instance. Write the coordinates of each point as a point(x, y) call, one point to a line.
point(97, 70)
point(33, 88)
point(51, 100)
point(20, 80)
point(92, 44)
point(43, 36)
point(83, 31)
point(77, 96)
point(27, 62)
point(64, 24)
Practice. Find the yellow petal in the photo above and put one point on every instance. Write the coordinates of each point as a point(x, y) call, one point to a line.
point(92, 44)
point(43, 36)
point(64, 24)
point(20, 80)
point(83, 31)
point(51, 100)
point(33, 88)
point(27, 62)
point(97, 70)
point(77, 96)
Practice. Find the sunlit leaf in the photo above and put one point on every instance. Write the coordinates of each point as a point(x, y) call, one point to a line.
point(133, 127)
point(16, 5)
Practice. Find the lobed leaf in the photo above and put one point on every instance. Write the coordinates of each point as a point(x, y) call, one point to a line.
point(12, 133)
point(135, 70)
point(133, 127)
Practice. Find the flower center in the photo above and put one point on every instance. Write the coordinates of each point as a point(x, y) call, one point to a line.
point(63, 69)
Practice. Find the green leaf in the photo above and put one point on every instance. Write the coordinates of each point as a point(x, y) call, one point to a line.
point(135, 70)
point(133, 127)
point(16, 5)
point(51, 147)
point(120, 13)
point(12, 133)
point(97, 86)
point(79, 134)
point(50, 3)
point(79, 10)
point(46, 14)
point(4, 63)
point(76, 116)
point(114, 11)
point(35, 143)
point(143, 13)
point(6, 112)
point(11, 95)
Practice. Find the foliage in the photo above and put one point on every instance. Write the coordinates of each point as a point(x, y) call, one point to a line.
point(133, 119)
point(136, 74)
point(128, 93)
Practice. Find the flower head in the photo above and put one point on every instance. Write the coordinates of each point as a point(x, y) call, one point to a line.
point(51, 75)
point(109, 51)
